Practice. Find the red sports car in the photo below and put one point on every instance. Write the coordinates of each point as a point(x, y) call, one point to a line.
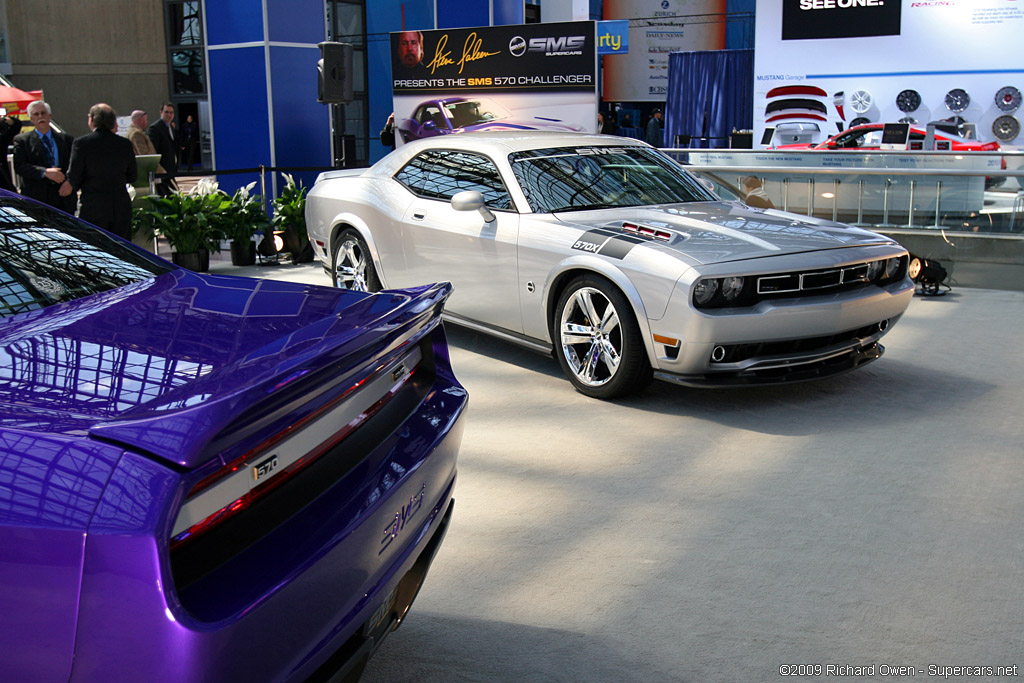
point(869, 136)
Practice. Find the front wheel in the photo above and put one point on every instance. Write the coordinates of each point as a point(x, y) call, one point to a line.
point(598, 340)
point(352, 264)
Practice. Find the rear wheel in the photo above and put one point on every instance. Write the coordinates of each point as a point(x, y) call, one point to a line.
point(598, 340)
point(352, 264)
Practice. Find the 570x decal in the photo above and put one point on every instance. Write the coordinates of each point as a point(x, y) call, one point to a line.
point(606, 243)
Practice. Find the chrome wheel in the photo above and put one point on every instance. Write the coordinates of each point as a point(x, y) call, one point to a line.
point(597, 339)
point(591, 337)
point(353, 265)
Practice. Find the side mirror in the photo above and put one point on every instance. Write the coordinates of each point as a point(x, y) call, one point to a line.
point(471, 200)
point(708, 185)
point(429, 125)
point(831, 144)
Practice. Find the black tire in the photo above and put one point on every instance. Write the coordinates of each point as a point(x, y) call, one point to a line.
point(351, 263)
point(602, 360)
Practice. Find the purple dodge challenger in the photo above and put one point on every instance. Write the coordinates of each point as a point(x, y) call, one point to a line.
point(209, 478)
point(464, 115)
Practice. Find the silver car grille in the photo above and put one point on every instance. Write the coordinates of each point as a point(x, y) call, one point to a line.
point(812, 280)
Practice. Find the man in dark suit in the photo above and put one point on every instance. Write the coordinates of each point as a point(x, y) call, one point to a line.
point(102, 163)
point(165, 141)
point(41, 158)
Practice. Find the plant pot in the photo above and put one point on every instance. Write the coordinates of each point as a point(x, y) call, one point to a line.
point(298, 246)
point(304, 255)
point(243, 253)
point(190, 260)
point(198, 261)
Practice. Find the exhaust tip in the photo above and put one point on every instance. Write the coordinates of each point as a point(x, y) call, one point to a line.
point(883, 326)
point(718, 354)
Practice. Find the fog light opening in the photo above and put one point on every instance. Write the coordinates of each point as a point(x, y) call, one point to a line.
point(718, 354)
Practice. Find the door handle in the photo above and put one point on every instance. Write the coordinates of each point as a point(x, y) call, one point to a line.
point(419, 216)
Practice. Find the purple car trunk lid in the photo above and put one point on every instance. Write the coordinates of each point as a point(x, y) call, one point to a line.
point(197, 422)
point(162, 365)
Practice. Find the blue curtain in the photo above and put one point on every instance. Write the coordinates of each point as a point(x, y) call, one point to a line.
point(710, 93)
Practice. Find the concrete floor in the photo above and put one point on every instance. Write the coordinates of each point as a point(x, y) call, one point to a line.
point(684, 535)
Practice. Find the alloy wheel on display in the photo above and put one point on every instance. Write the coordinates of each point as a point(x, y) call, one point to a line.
point(908, 101)
point(957, 100)
point(1006, 128)
point(591, 337)
point(1008, 98)
point(861, 101)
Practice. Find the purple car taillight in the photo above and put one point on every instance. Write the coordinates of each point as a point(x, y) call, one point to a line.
point(262, 469)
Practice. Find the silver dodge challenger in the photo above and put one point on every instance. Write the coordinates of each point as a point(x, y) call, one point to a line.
point(605, 252)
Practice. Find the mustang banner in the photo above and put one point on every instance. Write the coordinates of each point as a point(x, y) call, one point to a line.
point(532, 76)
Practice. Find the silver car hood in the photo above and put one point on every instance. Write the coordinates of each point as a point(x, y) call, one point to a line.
point(718, 232)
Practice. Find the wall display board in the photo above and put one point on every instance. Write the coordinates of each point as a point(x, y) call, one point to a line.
point(888, 61)
point(531, 76)
point(656, 28)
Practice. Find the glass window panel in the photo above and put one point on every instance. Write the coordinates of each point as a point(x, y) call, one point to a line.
point(359, 71)
point(184, 23)
point(188, 71)
point(348, 23)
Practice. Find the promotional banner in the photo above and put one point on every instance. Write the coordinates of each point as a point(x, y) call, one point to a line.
point(656, 28)
point(822, 66)
point(530, 76)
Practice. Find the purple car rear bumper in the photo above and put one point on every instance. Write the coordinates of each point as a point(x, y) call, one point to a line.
point(318, 617)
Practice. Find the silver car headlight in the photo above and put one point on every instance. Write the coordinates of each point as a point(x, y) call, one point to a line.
point(705, 290)
point(732, 287)
point(892, 266)
point(875, 270)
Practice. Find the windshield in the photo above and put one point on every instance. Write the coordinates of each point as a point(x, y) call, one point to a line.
point(583, 178)
point(47, 257)
point(470, 112)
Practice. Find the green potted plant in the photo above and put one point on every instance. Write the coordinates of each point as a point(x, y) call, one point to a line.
point(290, 219)
point(244, 217)
point(191, 223)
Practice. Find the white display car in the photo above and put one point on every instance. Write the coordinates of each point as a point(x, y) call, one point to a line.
point(608, 253)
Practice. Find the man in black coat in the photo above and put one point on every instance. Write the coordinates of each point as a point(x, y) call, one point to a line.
point(102, 163)
point(42, 175)
point(165, 141)
point(10, 126)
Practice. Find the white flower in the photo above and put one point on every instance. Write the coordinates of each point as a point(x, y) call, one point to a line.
point(243, 195)
point(205, 186)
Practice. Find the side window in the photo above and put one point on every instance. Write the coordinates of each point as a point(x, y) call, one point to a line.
point(441, 174)
point(846, 140)
point(872, 139)
point(428, 114)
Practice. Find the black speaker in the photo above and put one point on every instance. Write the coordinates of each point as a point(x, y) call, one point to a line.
point(335, 72)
